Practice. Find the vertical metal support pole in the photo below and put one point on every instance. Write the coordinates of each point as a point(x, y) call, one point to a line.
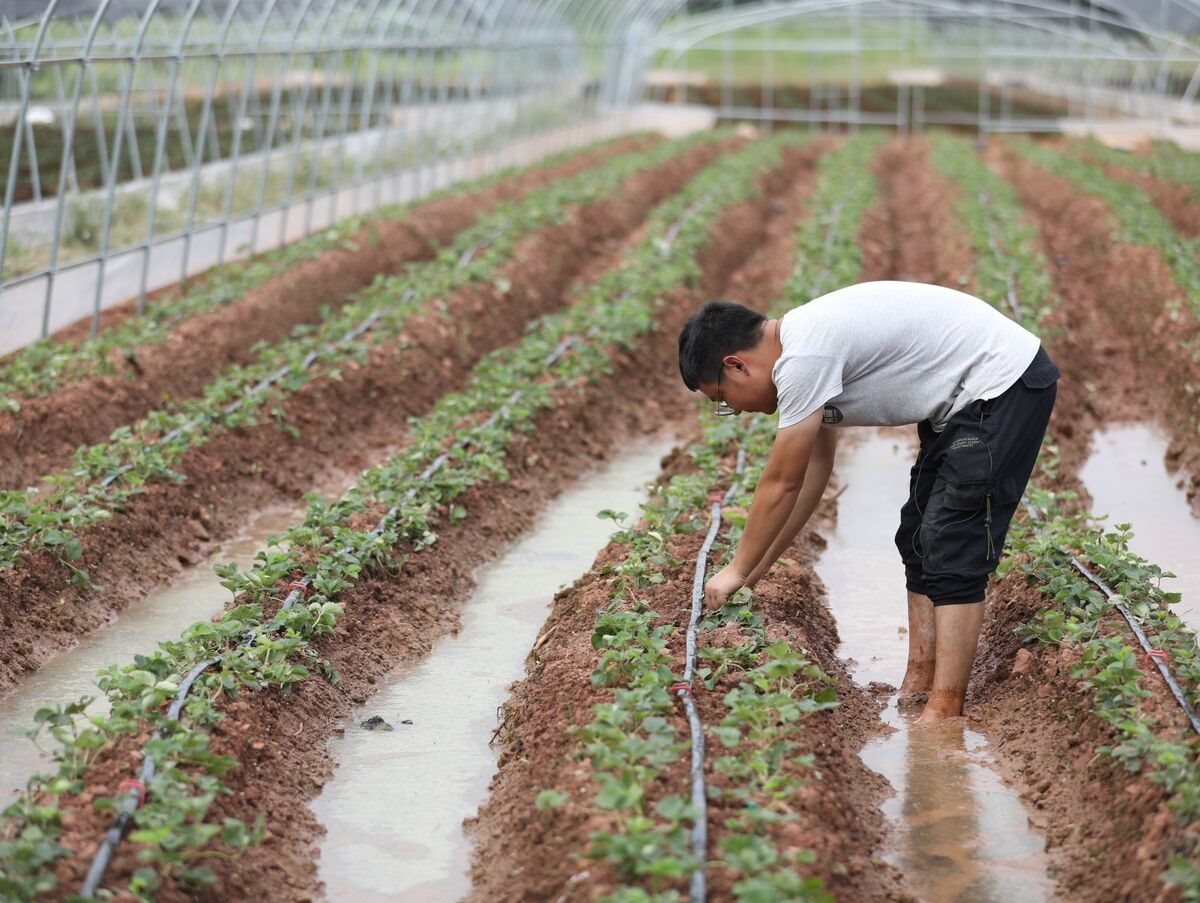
point(389, 163)
point(61, 201)
point(428, 132)
point(981, 100)
point(318, 147)
point(24, 75)
point(265, 150)
point(299, 117)
point(98, 122)
point(198, 163)
point(339, 150)
point(160, 142)
point(407, 152)
point(35, 176)
point(110, 194)
point(135, 151)
point(365, 128)
point(249, 65)
point(445, 116)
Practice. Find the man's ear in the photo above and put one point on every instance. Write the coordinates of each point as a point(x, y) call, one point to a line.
point(735, 362)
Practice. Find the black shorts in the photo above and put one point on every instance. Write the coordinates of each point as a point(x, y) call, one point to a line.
point(966, 484)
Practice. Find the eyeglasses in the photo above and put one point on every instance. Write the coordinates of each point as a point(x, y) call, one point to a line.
point(721, 407)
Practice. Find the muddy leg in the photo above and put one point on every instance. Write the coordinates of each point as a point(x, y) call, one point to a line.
point(918, 676)
point(957, 628)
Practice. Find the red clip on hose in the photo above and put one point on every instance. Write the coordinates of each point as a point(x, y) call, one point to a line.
point(133, 784)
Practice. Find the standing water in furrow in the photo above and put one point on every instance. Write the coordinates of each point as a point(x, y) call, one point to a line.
point(1129, 484)
point(162, 615)
point(958, 832)
point(416, 759)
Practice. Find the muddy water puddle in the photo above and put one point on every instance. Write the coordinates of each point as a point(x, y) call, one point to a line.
point(958, 833)
point(195, 595)
point(1130, 484)
point(394, 809)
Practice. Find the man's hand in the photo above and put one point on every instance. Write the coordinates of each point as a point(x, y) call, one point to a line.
point(721, 586)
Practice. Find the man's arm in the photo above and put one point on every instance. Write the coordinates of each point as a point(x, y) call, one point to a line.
point(820, 467)
point(775, 500)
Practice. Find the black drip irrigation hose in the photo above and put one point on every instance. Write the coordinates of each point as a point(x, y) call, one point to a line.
point(307, 361)
point(131, 793)
point(1158, 656)
point(697, 891)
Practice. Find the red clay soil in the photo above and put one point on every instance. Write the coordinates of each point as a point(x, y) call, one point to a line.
point(42, 435)
point(280, 740)
point(1124, 352)
point(344, 425)
point(911, 234)
point(522, 853)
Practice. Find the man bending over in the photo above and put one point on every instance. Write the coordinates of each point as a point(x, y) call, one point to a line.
point(980, 389)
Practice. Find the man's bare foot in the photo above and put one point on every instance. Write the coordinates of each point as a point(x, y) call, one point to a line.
point(942, 705)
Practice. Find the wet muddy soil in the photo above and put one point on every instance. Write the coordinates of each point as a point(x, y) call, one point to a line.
point(41, 436)
point(343, 425)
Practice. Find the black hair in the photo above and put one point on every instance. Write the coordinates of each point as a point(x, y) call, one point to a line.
point(718, 329)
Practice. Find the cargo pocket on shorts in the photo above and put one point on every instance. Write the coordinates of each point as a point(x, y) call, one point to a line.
point(971, 523)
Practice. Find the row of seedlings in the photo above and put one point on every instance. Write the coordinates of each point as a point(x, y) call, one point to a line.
point(260, 645)
point(105, 475)
point(1057, 549)
point(767, 687)
point(1141, 223)
point(1165, 161)
point(48, 364)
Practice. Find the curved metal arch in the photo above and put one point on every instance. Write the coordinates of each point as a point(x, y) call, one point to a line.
point(675, 39)
point(721, 22)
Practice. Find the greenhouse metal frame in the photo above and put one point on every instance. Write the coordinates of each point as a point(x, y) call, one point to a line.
point(142, 147)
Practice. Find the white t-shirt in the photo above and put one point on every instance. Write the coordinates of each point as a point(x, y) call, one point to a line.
point(891, 353)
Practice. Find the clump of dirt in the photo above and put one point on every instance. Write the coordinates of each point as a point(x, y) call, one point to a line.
point(42, 435)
